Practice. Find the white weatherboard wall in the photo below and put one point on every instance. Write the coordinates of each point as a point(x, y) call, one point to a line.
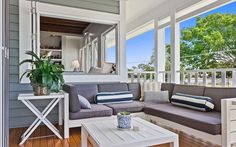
point(19, 115)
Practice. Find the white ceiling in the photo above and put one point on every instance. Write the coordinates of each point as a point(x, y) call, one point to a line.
point(136, 8)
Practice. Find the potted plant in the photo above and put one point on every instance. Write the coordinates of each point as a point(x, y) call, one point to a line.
point(124, 120)
point(45, 76)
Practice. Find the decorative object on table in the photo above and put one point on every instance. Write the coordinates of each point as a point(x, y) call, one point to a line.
point(75, 65)
point(124, 120)
point(45, 76)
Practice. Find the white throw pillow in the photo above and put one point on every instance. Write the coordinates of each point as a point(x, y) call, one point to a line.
point(84, 103)
point(107, 67)
point(156, 96)
point(95, 70)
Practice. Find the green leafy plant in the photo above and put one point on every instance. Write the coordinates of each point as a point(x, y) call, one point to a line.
point(124, 113)
point(44, 72)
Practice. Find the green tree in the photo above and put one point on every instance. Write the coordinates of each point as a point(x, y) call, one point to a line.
point(211, 43)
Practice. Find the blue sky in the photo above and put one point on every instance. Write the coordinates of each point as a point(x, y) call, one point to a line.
point(139, 49)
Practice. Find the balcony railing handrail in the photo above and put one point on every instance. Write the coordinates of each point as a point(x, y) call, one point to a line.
point(187, 71)
point(193, 76)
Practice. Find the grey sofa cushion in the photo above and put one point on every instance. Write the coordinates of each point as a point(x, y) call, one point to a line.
point(135, 89)
point(74, 105)
point(217, 94)
point(189, 89)
point(156, 96)
point(209, 122)
point(89, 91)
point(95, 111)
point(113, 87)
point(135, 106)
point(168, 87)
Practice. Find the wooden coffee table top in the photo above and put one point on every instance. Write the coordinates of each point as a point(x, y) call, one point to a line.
point(105, 133)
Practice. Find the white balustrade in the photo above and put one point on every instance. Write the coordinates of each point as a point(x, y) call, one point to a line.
point(206, 77)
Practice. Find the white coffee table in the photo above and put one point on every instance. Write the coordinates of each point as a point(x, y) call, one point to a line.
point(105, 134)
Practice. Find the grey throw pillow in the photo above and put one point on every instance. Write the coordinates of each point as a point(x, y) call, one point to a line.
point(84, 103)
point(156, 96)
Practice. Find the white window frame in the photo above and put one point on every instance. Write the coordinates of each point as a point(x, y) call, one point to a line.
point(51, 10)
point(1, 75)
point(115, 27)
point(95, 52)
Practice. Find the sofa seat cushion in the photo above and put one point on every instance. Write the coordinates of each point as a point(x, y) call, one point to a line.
point(95, 111)
point(135, 106)
point(209, 122)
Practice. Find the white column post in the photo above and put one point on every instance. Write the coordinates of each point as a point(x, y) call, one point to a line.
point(160, 51)
point(122, 42)
point(175, 49)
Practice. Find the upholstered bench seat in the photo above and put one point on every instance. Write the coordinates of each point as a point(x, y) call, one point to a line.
point(95, 111)
point(209, 122)
point(135, 106)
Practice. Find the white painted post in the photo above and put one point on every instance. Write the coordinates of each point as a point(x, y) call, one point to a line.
point(164, 77)
point(223, 78)
point(132, 77)
point(160, 51)
point(66, 115)
point(138, 77)
point(213, 79)
point(234, 78)
point(150, 79)
point(182, 78)
point(169, 77)
point(204, 78)
point(196, 78)
point(144, 77)
point(121, 52)
point(175, 49)
point(189, 78)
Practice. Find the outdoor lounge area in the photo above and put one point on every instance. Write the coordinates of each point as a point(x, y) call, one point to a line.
point(118, 73)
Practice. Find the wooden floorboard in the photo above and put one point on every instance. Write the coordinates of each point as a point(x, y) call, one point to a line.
point(75, 139)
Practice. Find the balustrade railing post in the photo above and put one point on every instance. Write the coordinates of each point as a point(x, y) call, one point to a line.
point(196, 78)
point(144, 77)
point(213, 79)
point(204, 78)
point(132, 77)
point(182, 78)
point(164, 77)
point(138, 77)
point(189, 78)
point(168, 77)
point(234, 78)
point(223, 78)
point(156, 77)
point(150, 78)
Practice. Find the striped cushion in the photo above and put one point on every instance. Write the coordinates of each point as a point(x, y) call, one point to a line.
point(114, 97)
point(201, 103)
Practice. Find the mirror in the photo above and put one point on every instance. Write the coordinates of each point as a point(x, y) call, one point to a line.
point(82, 47)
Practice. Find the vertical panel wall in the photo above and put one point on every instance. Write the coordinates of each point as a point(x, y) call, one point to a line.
point(19, 115)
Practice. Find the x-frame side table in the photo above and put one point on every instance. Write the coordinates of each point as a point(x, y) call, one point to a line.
point(61, 98)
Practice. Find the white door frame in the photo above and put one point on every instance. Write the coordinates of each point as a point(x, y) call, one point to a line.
point(1, 74)
point(4, 73)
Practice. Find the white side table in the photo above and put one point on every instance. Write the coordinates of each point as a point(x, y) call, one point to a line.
point(56, 98)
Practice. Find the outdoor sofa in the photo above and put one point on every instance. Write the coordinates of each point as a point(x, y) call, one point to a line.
point(210, 126)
